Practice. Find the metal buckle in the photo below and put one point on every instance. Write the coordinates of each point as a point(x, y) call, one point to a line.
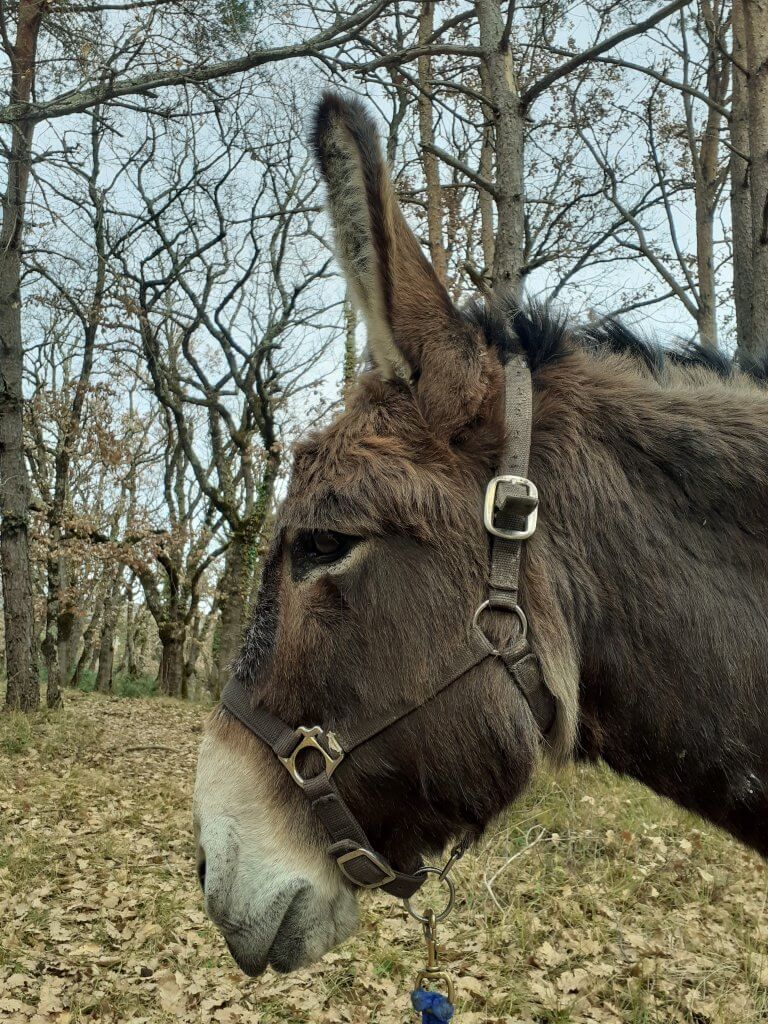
point(307, 738)
point(388, 875)
point(489, 509)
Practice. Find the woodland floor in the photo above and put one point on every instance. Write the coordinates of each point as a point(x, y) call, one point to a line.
point(592, 902)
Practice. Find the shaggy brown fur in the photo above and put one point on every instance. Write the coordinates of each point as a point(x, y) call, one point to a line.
point(646, 583)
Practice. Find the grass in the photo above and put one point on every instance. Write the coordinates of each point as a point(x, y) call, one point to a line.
point(123, 685)
point(591, 902)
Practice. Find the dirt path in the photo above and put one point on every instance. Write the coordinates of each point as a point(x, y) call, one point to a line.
point(593, 902)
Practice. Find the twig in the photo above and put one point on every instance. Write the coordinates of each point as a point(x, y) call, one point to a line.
point(529, 845)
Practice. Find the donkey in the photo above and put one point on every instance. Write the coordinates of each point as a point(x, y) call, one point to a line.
point(645, 585)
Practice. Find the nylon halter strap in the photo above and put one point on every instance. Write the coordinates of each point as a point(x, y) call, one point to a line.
point(509, 515)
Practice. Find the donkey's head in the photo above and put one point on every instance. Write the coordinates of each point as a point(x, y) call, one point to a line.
point(379, 560)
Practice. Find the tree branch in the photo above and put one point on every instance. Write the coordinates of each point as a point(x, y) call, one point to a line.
point(77, 101)
point(546, 81)
point(478, 179)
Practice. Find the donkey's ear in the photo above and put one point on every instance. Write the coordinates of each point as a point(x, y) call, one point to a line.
point(414, 330)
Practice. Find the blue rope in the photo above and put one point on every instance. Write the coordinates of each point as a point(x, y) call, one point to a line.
point(433, 1006)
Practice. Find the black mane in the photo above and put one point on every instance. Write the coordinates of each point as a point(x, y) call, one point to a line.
point(546, 336)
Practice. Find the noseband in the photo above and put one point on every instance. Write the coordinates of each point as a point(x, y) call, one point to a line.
point(509, 516)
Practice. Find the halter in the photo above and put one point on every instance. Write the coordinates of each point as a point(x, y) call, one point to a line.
point(509, 515)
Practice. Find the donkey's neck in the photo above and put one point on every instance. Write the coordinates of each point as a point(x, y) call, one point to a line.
point(655, 499)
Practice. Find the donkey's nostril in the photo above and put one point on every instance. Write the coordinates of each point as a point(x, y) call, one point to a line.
point(201, 872)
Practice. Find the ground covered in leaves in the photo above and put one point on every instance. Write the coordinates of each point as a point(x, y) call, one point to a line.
point(591, 902)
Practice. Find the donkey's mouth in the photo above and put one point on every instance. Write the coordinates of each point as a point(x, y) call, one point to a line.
point(286, 950)
point(251, 965)
point(306, 932)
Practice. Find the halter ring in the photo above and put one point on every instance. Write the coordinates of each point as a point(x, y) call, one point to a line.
point(517, 610)
point(427, 869)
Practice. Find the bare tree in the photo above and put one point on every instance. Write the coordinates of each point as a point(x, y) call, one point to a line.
point(216, 298)
point(151, 39)
point(18, 610)
point(741, 193)
point(755, 26)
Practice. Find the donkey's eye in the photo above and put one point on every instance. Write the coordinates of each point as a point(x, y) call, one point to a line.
point(326, 543)
point(313, 547)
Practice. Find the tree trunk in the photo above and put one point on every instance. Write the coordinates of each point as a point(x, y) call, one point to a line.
point(239, 569)
point(57, 563)
point(427, 138)
point(23, 688)
point(68, 638)
point(92, 660)
point(107, 642)
point(141, 639)
point(131, 664)
point(106, 657)
point(173, 680)
point(234, 590)
point(89, 633)
point(350, 348)
point(705, 264)
point(487, 226)
point(756, 26)
point(508, 121)
point(741, 203)
point(50, 648)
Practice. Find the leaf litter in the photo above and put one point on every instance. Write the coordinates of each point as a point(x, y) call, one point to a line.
point(591, 902)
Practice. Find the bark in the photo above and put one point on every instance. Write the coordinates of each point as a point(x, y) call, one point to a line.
point(68, 638)
point(107, 642)
point(429, 160)
point(741, 202)
point(68, 626)
point(705, 202)
point(350, 348)
point(23, 690)
point(487, 227)
point(756, 24)
point(92, 660)
point(91, 320)
point(87, 654)
point(507, 119)
point(235, 589)
point(131, 663)
point(173, 681)
point(707, 179)
point(195, 633)
point(239, 566)
point(49, 647)
point(140, 643)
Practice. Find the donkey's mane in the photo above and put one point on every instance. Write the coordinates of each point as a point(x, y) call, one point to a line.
point(546, 336)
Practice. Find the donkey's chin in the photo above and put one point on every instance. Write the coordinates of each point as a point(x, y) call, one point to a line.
point(306, 932)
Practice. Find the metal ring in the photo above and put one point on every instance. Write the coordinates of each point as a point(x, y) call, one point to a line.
point(427, 869)
point(517, 610)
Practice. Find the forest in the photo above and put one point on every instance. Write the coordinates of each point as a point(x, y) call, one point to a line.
point(171, 318)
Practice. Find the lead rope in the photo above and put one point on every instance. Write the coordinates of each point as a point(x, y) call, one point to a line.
point(434, 1007)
